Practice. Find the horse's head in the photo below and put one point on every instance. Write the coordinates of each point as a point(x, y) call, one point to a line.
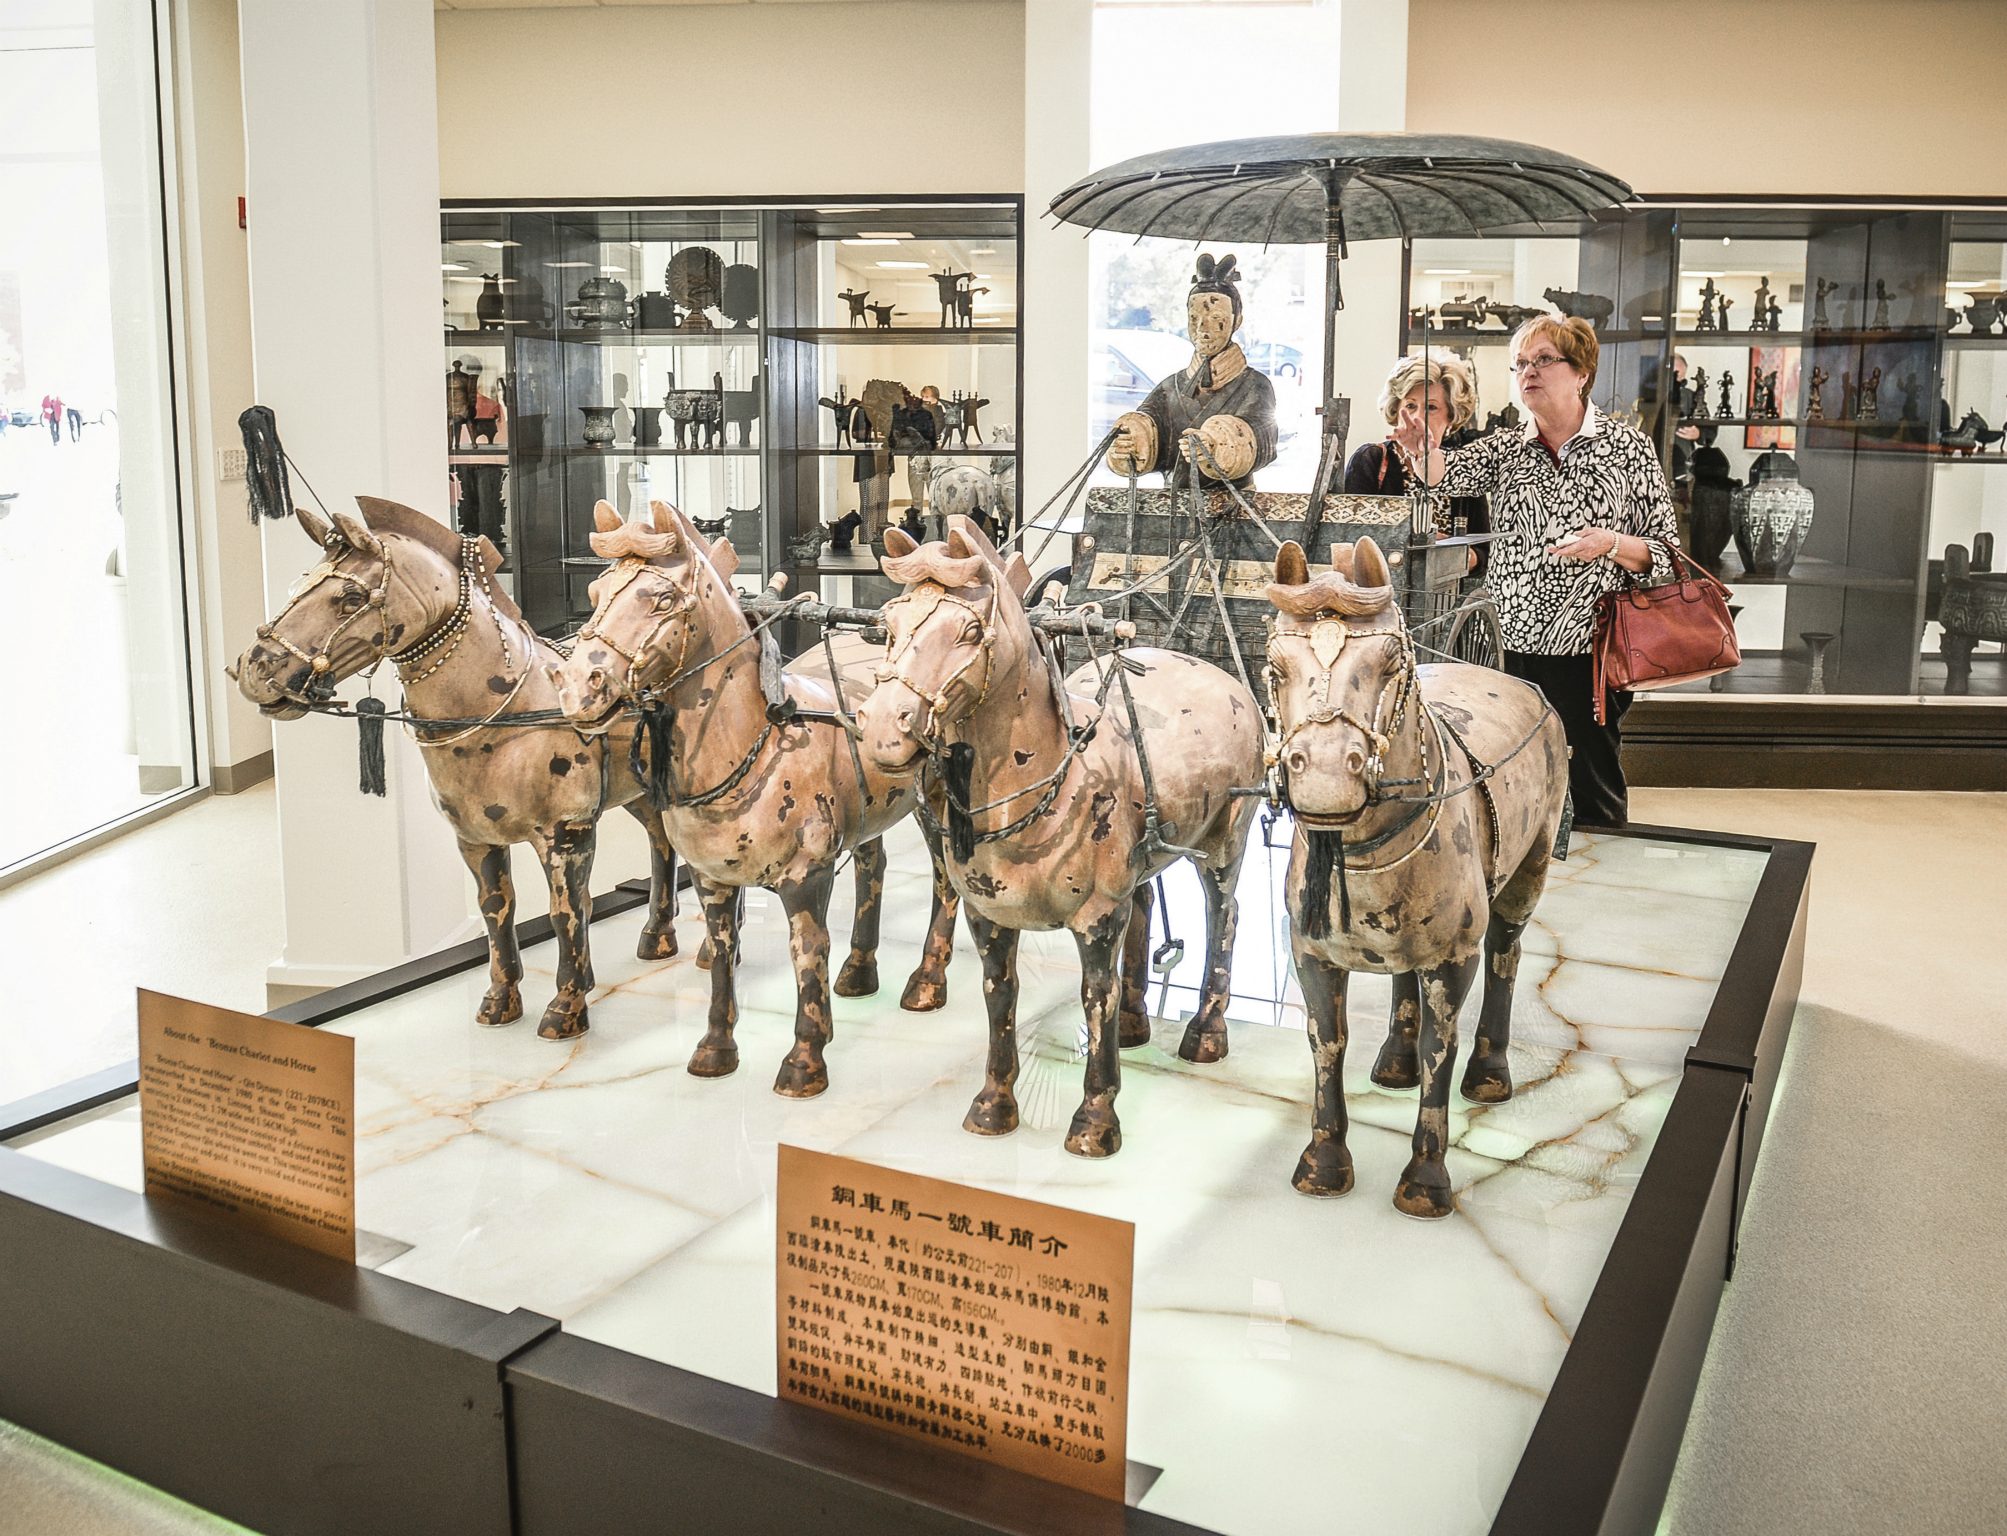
point(645, 619)
point(1341, 673)
point(389, 579)
point(951, 638)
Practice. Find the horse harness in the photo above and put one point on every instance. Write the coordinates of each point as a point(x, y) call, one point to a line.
point(1328, 638)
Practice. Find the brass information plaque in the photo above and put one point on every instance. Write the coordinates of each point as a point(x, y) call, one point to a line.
point(993, 1325)
point(250, 1117)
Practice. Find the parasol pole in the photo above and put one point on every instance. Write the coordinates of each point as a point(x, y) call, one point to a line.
point(1336, 412)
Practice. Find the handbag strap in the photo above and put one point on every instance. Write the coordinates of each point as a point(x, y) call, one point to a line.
point(1707, 577)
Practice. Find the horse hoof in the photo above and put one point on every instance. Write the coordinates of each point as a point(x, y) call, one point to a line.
point(924, 994)
point(499, 1008)
point(1487, 1082)
point(1094, 1135)
point(1397, 1067)
point(1324, 1169)
point(991, 1114)
point(1203, 1045)
point(714, 1060)
point(705, 952)
point(801, 1078)
point(561, 1023)
point(656, 943)
point(858, 978)
point(1424, 1191)
point(1133, 1029)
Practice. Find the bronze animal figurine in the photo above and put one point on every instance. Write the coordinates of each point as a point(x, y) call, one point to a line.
point(1405, 859)
point(1052, 822)
point(753, 792)
point(883, 314)
point(1592, 307)
point(699, 414)
point(855, 299)
point(399, 586)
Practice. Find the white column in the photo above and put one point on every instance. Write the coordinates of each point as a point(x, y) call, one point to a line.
point(1372, 97)
point(341, 136)
point(1058, 52)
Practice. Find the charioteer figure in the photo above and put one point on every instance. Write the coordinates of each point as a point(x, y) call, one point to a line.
point(1216, 400)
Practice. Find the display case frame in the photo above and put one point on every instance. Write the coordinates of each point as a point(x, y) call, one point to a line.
point(298, 1394)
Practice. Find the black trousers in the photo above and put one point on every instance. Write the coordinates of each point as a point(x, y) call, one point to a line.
point(1595, 761)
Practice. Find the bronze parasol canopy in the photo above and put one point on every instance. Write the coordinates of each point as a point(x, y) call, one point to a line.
point(1301, 189)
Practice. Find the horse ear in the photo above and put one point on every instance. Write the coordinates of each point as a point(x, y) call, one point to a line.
point(356, 535)
point(1292, 569)
point(1017, 573)
point(898, 542)
point(604, 518)
point(966, 537)
point(318, 528)
point(724, 557)
point(1370, 566)
point(667, 523)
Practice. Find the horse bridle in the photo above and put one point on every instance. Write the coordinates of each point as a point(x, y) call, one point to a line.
point(623, 574)
point(893, 669)
point(443, 639)
point(1377, 732)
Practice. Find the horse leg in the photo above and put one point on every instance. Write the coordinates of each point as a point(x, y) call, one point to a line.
point(706, 948)
point(1134, 1028)
point(1487, 1077)
point(1095, 1132)
point(927, 987)
point(1206, 1034)
point(859, 976)
point(802, 1074)
point(1396, 1066)
point(1424, 1189)
point(717, 1054)
point(1326, 1165)
point(489, 864)
point(658, 934)
point(568, 864)
point(994, 1112)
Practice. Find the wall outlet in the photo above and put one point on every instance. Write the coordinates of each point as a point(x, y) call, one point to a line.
point(230, 464)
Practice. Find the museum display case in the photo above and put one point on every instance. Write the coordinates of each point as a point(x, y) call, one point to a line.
point(563, 1314)
point(743, 361)
point(1821, 401)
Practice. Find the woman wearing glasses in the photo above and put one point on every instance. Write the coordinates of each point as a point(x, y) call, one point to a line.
point(1582, 508)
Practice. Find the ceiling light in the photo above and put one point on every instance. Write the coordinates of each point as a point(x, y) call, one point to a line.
point(885, 234)
point(982, 250)
point(501, 245)
point(917, 266)
point(455, 266)
point(851, 209)
point(564, 264)
point(871, 240)
point(1445, 271)
point(1724, 239)
point(613, 271)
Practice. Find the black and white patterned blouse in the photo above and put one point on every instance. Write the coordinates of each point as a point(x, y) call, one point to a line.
point(1609, 477)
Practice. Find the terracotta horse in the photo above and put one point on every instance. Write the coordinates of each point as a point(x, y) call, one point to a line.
point(397, 585)
point(752, 801)
point(1426, 801)
point(1053, 825)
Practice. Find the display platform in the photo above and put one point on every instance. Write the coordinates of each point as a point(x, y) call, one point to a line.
point(1295, 1361)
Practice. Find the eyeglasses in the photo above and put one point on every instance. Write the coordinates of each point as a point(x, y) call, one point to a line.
point(1528, 365)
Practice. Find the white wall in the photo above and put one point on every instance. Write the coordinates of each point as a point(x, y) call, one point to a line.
point(733, 100)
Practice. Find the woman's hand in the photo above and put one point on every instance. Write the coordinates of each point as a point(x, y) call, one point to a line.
point(1589, 544)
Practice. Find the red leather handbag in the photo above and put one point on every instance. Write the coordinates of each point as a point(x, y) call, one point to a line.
point(1655, 637)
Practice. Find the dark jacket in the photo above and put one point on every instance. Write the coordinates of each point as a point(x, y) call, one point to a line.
point(1376, 470)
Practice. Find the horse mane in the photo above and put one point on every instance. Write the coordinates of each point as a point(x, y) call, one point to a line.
point(932, 562)
point(1330, 592)
point(409, 523)
point(635, 541)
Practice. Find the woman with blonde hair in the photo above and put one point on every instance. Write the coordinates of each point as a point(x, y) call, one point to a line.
point(1441, 389)
point(1581, 507)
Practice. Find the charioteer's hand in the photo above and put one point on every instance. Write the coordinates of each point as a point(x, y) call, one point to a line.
point(1230, 447)
point(1134, 450)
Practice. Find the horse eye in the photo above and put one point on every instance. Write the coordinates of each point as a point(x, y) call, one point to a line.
point(971, 633)
point(664, 599)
